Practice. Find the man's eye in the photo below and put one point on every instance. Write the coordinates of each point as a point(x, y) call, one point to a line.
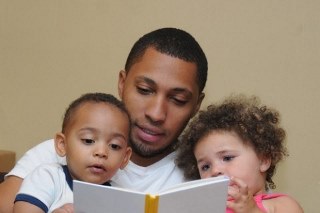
point(179, 101)
point(114, 146)
point(87, 141)
point(144, 91)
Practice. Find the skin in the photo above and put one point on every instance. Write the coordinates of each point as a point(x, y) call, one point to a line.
point(161, 94)
point(95, 145)
point(9, 189)
point(224, 153)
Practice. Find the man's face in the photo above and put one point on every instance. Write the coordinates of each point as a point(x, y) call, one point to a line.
point(161, 94)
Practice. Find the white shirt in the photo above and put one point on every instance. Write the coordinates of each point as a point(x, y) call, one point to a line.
point(48, 187)
point(153, 178)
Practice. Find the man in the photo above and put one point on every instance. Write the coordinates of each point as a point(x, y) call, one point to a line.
point(162, 88)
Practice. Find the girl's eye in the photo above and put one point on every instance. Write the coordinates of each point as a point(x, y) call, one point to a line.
point(115, 146)
point(205, 167)
point(87, 141)
point(228, 158)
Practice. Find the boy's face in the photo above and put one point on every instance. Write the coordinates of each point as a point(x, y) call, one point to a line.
point(95, 142)
point(224, 153)
point(161, 94)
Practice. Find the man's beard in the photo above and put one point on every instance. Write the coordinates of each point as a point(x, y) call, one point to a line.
point(143, 150)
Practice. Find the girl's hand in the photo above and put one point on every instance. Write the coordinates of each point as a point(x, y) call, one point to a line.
point(240, 199)
point(66, 208)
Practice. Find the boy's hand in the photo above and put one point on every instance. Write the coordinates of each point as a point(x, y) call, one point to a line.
point(66, 208)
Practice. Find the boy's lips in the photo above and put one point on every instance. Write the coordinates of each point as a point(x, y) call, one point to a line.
point(97, 168)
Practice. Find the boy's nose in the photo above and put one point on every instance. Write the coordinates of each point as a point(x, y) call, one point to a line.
point(101, 151)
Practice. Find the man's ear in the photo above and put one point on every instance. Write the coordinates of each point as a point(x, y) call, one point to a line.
point(200, 99)
point(121, 80)
point(265, 164)
point(126, 158)
point(60, 144)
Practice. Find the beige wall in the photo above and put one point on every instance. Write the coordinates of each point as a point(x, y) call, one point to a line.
point(53, 51)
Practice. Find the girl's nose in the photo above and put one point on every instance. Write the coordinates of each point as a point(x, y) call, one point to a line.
point(216, 171)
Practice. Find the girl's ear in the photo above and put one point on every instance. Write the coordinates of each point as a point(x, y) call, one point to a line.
point(265, 164)
point(126, 158)
point(60, 144)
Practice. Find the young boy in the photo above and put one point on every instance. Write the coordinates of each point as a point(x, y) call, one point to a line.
point(94, 140)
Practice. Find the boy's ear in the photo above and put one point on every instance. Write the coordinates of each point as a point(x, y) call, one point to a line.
point(60, 144)
point(126, 158)
point(265, 164)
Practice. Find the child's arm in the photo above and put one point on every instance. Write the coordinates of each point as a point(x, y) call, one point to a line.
point(46, 187)
point(22, 207)
point(240, 199)
point(66, 208)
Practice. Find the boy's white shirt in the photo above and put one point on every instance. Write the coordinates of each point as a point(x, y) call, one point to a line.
point(158, 176)
point(48, 184)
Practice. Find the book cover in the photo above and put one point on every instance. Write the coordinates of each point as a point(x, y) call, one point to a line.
point(198, 196)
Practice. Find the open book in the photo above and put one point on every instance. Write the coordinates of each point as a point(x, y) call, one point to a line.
point(198, 196)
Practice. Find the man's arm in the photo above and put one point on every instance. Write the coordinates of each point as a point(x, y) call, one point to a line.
point(8, 191)
point(40, 154)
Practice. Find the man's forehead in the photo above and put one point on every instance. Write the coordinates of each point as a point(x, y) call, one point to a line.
point(172, 86)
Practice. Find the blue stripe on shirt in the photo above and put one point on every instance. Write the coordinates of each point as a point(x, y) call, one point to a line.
point(32, 200)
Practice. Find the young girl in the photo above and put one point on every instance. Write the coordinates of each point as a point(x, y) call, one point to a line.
point(242, 139)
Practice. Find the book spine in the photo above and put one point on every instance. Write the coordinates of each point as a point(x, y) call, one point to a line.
point(151, 204)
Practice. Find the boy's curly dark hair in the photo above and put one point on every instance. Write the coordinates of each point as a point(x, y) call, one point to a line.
point(257, 125)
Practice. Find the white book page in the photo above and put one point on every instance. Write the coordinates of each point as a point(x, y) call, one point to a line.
point(199, 196)
point(208, 197)
point(194, 183)
point(93, 198)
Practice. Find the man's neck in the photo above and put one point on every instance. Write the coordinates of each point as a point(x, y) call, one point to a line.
point(147, 161)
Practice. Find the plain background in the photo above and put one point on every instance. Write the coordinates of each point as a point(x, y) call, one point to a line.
point(51, 52)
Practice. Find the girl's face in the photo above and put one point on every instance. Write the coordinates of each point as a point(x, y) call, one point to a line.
point(224, 153)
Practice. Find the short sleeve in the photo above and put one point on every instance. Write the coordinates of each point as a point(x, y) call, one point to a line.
point(40, 186)
point(43, 153)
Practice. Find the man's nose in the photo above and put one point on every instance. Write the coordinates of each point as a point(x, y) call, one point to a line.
point(156, 110)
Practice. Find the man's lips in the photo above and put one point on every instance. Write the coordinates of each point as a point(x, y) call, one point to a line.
point(149, 133)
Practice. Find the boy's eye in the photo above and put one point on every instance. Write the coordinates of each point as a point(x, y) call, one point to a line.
point(87, 141)
point(114, 146)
